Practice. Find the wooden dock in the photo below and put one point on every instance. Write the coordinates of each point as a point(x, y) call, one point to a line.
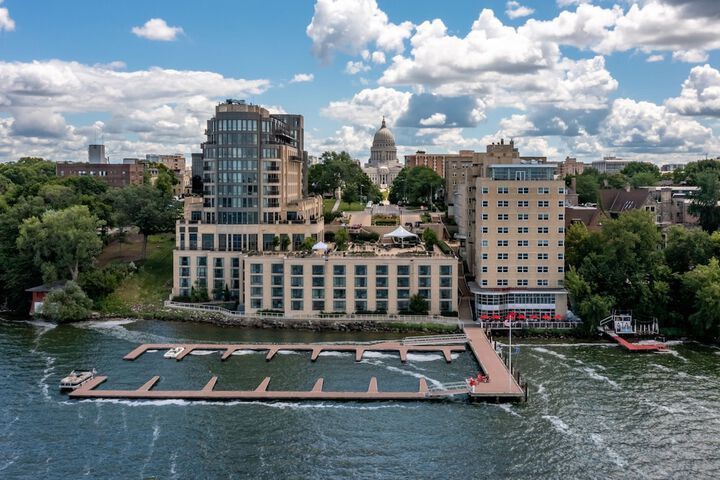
point(500, 387)
point(652, 346)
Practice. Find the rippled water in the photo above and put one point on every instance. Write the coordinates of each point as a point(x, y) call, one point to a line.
point(594, 412)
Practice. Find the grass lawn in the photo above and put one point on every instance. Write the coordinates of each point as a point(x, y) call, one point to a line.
point(151, 285)
point(329, 203)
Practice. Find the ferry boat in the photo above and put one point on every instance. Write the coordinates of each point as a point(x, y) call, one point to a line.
point(76, 379)
point(173, 352)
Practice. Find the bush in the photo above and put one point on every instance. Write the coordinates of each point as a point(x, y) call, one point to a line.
point(67, 304)
point(365, 237)
point(329, 236)
point(101, 282)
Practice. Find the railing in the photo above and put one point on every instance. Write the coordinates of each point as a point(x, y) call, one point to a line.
point(350, 317)
point(435, 340)
point(448, 389)
point(500, 325)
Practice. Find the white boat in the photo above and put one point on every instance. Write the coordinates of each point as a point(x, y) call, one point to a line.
point(174, 352)
point(76, 379)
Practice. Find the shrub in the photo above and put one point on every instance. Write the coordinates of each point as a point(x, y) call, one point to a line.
point(100, 282)
point(67, 304)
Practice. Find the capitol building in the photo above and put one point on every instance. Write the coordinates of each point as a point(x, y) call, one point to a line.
point(383, 165)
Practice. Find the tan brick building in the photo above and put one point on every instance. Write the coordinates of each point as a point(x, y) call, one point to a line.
point(114, 174)
point(434, 161)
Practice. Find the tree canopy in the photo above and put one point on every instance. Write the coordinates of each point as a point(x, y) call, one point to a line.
point(67, 304)
point(338, 170)
point(417, 186)
point(62, 241)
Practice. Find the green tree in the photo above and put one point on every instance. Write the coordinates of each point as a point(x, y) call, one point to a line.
point(587, 187)
point(634, 168)
point(686, 249)
point(417, 186)
point(276, 242)
point(67, 304)
point(146, 207)
point(429, 238)
point(644, 179)
point(705, 201)
point(418, 305)
point(704, 281)
point(338, 170)
point(693, 170)
point(341, 239)
point(307, 244)
point(63, 242)
point(589, 306)
point(284, 242)
point(166, 180)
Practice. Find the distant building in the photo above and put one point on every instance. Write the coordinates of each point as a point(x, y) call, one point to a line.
point(176, 164)
point(591, 217)
point(668, 204)
point(610, 165)
point(671, 167)
point(434, 161)
point(114, 174)
point(196, 181)
point(96, 154)
point(570, 167)
point(383, 165)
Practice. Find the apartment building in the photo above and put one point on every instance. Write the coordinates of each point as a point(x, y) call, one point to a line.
point(520, 241)
point(570, 167)
point(113, 174)
point(434, 161)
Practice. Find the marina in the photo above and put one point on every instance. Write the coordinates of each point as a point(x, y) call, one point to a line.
point(498, 385)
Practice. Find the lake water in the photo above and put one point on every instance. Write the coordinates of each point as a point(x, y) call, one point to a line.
point(594, 412)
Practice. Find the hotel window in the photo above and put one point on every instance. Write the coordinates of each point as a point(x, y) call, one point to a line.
point(542, 283)
point(256, 268)
point(318, 281)
point(543, 243)
point(561, 190)
point(523, 243)
point(256, 280)
point(484, 256)
point(561, 243)
point(318, 305)
point(484, 269)
point(483, 229)
point(381, 270)
point(296, 281)
point(503, 216)
point(361, 294)
point(523, 217)
point(338, 281)
point(381, 281)
point(561, 269)
point(561, 216)
point(296, 270)
point(424, 270)
point(381, 293)
point(484, 203)
point(523, 190)
point(503, 230)
point(484, 190)
point(543, 256)
point(483, 243)
point(522, 283)
point(338, 269)
point(361, 282)
point(381, 306)
point(523, 203)
point(403, 293)
point(318, 269)
point(361, 306)
point(296, 293)
point(522, 256)
point(542, 269)
point(543, 203)
point(296, 305)
point(360, 270)
point(403, 270)
point(338, 306)
point(561, 229)
point(561, 203)
point(339, 293)
point(446, 270)
point(502, 269)
point(484, 216)
point(522, 269)
point(561, 256)
point(543, 190)
point(502, 283)
point(542, 230)
point(503, 203)
point(256, 291)
point(502, 243)
point(502, 256)
point(403, 282)
point(543, 216)
point(277, 292)
point(523, 230)
point(503, 190)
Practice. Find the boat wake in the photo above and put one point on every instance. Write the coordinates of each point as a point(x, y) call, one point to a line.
point(558, 424)
point(431, 381)
point(233, 403)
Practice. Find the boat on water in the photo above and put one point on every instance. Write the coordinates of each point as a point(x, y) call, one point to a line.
point(76, 379)
point(174, 352)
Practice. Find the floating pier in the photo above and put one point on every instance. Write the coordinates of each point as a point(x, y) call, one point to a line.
point(500, 387)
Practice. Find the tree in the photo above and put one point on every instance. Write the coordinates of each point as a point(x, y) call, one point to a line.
point(587, 186)
point(418, 305)
point(307, 244)
point(62, 241)
point(705, 201)
point(690, 173)
point(590, 307)
point(417, 186)
point(338, 170)
point(430, 238)
point(67, 304)
point(341, 239)
point(686, 249)
point(577, 240)
point(146, 207)
point(644, 179)
point(634, 168)
point(166, 180)
point(704, 281)
point(276, 242)
point(284, 242)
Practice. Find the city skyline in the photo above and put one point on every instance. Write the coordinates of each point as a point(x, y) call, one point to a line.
point(584, 79)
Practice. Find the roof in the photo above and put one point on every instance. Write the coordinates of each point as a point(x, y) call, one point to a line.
point(620, 200)
point(591, 217)
point(46, 287)
point(400, 232)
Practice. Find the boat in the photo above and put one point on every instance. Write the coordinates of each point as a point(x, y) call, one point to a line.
point(76, 379)
point(173, 352)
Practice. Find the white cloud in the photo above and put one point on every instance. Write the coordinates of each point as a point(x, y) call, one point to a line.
point(354, 141)
point(146, 110)
point(378, 57)
point(700, 93)
point(352, 68)
point(302, 77)
point(515, 10)
point(349, 26)
point(655, 58)
point(434, 120)
point(157, 29)
point(6, 23)
point(690, 56)
point(367, 107)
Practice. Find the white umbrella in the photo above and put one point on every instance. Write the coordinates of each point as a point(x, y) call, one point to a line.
point(320, 246)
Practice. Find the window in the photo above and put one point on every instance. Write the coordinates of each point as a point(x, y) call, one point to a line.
point(543, 283)
point(318, 305)
point(296, 270)
point(543, 203)
point(484, 256)
point(318, 270)
point(561, 216)
point(503, 216)
point(338, 306)
point(502, 243)
point(543, 243)
point(542, 269)
point(381, 270)
point(483, 243)
point(484, 190)
point(502, 283)
point(561, 256)
point(542, 230)
point(483, 229)
point(339, 293)
point(523, 243)
point(561, 190)
point(381, 306)
point(561, 269)
point(522, 230)
point(522, 256)
point(403, 281)
point(503, 190)
point(381, 281)
point(542, 256)
point(561, 243)
point(543, 190)
point(522, 269)
point(403, 270)
point(424, 270)
point(296, 281)
point(522, 283)
point(561, 229)
point(502, 230)
point(339, 270)
point(502, 269)
point(360, 270)
point(296, 305)
point(502, 256)
point(523, 190)
point(484, 269)
point(503, 203)
point(484, 203)
point(523, 217)
point(318, 281)
point(543, 216)
point(256, 268)
point(484, 216)
point(523, 203)
point(561, 203)
point(361, 282)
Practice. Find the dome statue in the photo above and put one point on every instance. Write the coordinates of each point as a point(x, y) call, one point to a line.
point(383, 165)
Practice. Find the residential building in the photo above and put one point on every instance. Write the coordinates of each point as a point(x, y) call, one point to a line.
point(570, 167)
point(176, 164)
point(196, 181)
point(114, 174)
point(668, 204)
point(434, 161)
point(610, 165)
point(302, 284)
point(591, 217)
point(383, 165)
point(520, 240)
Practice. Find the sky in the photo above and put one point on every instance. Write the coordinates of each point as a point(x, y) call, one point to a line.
point(637, 79)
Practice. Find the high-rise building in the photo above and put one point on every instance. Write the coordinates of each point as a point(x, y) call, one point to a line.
point(434, 161)
point(196, 181)
point(610, 165)
point(176, 164)
point(520, 241)
point(570, 167)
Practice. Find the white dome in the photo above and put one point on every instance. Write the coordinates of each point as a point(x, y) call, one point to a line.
point(383, 137)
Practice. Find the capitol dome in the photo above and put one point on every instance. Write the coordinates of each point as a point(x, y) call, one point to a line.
point(383, 137)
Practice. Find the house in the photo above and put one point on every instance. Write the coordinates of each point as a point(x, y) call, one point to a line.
point(40, 292)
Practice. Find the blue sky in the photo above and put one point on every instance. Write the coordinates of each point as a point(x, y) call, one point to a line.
point(637, 79)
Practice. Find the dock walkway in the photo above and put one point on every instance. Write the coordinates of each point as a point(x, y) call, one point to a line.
point(500, 387)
